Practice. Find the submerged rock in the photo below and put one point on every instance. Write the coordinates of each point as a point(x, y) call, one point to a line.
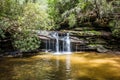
point(101, 49)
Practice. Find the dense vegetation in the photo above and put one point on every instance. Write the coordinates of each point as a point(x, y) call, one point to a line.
point(76, 13)
point(20, 18)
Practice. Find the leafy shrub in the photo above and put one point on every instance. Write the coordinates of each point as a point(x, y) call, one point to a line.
point(26, 42)
point(72, 20)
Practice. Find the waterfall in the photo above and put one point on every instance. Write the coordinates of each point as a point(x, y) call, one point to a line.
point(68, 43)
point(57, 43)
point(60, 43)
point(56, 37)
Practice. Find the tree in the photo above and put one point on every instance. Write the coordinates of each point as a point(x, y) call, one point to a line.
point(84, 10)
point(34, 18)
point(21, 20)
point(57, 9)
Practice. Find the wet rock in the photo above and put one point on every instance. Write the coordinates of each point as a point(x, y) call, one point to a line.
point(14, 54)
point(1, 55)
point(101, 49)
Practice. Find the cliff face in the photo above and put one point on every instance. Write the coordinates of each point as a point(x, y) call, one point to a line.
point(91, 38)
point(96, 32)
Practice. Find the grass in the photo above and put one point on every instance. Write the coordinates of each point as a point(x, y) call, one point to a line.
point(78, 66)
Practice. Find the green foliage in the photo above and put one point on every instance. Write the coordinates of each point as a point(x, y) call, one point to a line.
point(26, 41)
point(57, 9)
point(85, 5)
point(54, 12)
point(116, 33)
point(72, 20)
point(112, 24)
point(63, 10)
point(84, 10)
point(35, 17)
point(10, 8)
point(2, 34)
point(21, 19)
point(116, 29)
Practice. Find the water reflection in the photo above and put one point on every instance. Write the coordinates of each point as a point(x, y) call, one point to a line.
point(64, 67)
point(57, 63)
point(68, 67)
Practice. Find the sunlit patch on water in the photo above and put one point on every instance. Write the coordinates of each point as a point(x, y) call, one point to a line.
point(80, 66)
point(61, 53)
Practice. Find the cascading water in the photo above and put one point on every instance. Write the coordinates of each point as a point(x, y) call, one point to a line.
point(55, 35)
point(57, 43)
point(68, 43)
point(60, 43)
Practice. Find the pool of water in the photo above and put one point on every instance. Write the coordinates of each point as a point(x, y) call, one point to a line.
point(79, 66)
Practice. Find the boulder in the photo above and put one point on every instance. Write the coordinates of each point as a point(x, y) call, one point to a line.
point(101, 49)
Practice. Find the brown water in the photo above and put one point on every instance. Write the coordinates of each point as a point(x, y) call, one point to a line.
point(80, 66)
